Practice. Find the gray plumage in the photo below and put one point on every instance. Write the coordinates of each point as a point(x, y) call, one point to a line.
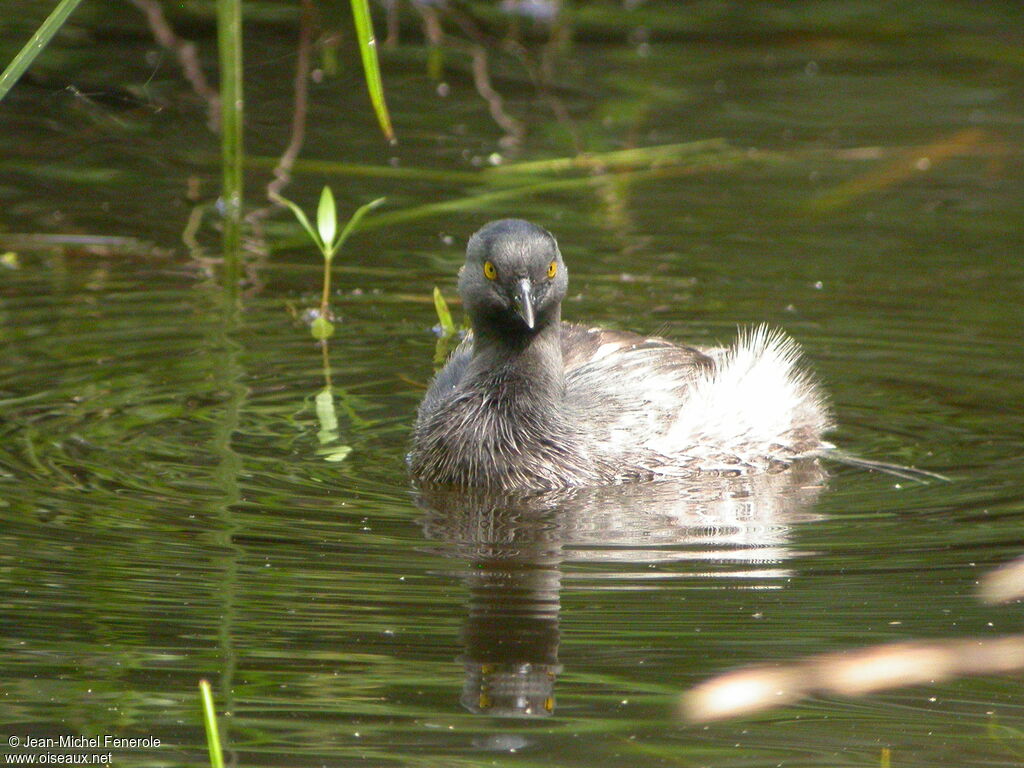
point(528, 402)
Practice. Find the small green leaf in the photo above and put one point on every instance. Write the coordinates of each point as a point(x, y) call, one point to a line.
point(327, 218)
point(443, 313)
point(321, 328)
point(302, 220)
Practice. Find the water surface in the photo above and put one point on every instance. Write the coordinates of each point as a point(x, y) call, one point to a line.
point(171, 507)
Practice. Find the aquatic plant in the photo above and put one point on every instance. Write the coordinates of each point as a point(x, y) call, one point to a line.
point(444, 315)
point(371, 66)
point(210, 724)
point(39, 40)
point(329, 241)
point(230, 100)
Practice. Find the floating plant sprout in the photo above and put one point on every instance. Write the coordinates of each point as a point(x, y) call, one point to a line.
point(327, 238)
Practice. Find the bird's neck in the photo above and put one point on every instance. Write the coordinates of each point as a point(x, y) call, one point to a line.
point(532, 359)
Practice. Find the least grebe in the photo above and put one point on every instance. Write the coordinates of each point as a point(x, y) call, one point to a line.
point(528, 402)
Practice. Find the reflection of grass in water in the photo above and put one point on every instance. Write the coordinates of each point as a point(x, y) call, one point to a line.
point(1012, 739)
point(693, 154)
point(907, 165)
point(638, 165)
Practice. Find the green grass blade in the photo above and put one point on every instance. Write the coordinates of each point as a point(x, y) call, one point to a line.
point(353, 223)
point(35, 45)
point(229, 44)
point(368, 171)
point(210, 723)
point(659, 156)
point(488, 199)
point(371, 67)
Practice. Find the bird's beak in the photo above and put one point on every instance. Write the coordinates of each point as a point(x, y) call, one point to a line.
point(524, 301)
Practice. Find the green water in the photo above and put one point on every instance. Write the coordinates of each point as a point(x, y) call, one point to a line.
point(170, 513)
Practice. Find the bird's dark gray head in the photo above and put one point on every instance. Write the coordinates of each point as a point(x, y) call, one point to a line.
point(514, 279)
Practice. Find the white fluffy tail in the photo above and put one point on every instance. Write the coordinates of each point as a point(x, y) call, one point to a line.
point(756, 400)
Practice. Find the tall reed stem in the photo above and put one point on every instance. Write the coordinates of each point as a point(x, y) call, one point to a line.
point(229, 39)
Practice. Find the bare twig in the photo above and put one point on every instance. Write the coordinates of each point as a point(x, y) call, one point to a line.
point(300, 108)
point(282, 173)
point(514, 130)
point(391, 40)
point(541, 79)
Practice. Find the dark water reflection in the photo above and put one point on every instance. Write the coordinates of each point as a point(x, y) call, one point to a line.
point(169, 505)
point(514, 550)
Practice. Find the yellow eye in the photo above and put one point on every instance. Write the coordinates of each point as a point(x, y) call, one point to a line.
point(490, 271)
point(552, 269)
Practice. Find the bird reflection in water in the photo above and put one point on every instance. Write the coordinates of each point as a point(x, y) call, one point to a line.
point(515, 545)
